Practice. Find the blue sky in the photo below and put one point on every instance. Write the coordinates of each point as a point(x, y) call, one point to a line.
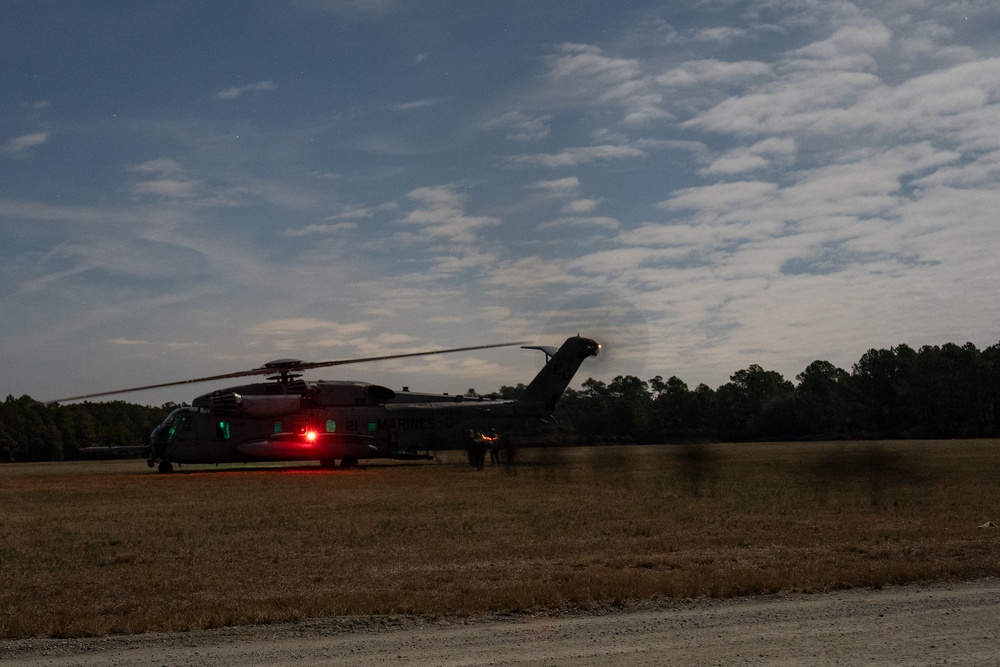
point(194, 188)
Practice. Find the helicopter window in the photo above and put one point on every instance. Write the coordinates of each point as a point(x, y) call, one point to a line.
point(331, 426)
point(222, 431)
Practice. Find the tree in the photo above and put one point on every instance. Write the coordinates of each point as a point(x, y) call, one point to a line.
point(510, 393)
point(8, 446)
point(883, 380)
point(823, 400)
point(631, 410)
point(32, 427)
point(950, 396)
point(679, 410)
point(33, 431)
point(991, 390)
point(746, 396)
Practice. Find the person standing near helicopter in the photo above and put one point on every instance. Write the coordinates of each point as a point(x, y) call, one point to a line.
point(495, 447)
point(475, 449)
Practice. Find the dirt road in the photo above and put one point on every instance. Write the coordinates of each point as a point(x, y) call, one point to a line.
point(914, 625)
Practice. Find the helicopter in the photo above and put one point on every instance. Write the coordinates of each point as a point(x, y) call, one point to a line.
point(288, 418)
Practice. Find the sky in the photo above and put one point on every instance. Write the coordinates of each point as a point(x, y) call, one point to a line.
point(192, 188)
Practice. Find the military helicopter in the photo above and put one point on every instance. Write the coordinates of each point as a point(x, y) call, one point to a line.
point(288, 418)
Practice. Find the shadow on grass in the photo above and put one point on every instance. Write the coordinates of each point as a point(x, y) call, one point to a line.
point(699, 469)
point(873, 469)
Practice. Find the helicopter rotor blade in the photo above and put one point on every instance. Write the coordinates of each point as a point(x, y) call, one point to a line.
point(342, 362)
point(288, 366)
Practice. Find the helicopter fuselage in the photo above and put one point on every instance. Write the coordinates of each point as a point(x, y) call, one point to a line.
point(295, 420)
point(391, 430)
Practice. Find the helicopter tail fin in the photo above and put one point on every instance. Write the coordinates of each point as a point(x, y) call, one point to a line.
point(559, 369)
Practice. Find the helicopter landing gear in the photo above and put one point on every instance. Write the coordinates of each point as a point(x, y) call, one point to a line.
point(151, 463)
point(328, 464)
point(347, 464)
point(166, 467)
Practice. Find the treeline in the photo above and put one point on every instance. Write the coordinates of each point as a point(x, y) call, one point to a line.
point(34, 431)
point(946, 391)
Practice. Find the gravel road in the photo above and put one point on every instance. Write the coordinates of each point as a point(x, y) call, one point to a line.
point(954, 624)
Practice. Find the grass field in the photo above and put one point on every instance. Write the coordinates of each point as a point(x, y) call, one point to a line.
point(92, 548)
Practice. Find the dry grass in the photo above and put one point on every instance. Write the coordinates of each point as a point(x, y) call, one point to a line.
point(108, 547)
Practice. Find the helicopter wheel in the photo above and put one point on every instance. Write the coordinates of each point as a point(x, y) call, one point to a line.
point(328, 464)
point(151, 463)
point(347, 464)
point(166, 467)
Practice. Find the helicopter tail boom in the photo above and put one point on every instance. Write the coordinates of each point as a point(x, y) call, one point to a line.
point(558, 372)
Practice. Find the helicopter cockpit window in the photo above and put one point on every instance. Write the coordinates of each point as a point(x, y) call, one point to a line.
point(331, 426)
point(222, 431)
point(175, 421)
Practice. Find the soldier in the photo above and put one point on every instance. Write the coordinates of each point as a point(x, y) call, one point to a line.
point(495, 446)
point(475, 448)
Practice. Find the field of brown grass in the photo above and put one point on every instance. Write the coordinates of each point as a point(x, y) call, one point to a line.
point(92, 548)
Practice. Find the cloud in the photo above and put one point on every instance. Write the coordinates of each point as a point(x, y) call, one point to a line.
point(721, 197)
point(165, 180)
point(849, 48)
point(320, 230)
point(575, 157)
point(453, 260)
point(604, 222)
point(581, 74)
point(300, 325)
point(354, 212)
point(615, 261)
point(580, 206)
point(12, 209)
point(761, 155)
point(425, 103)
point(818, 102)
point(128, 341)
point(19, 146)
point(559, 186)
point(719, 34)
point(560, 191)
point(159, 167)
point(841, 102)
point(440, 214)
point(578, 63)
point(239, 91)
point(165, 188)
point(714, 73)
point(521, 126)
point(529, 275)
point(300, 335)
